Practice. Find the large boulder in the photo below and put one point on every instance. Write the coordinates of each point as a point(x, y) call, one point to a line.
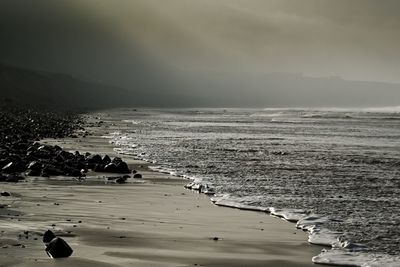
point(58, 248)
point(110, 167)
point(122, 167)
point(106, 159)
point(94, 159)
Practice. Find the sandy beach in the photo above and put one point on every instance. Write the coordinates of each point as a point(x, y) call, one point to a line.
point(152, 221)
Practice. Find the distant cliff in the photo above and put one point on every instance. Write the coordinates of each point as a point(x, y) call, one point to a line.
point(24, 86)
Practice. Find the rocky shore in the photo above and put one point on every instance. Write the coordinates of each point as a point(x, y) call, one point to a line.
point(152, 221)
point(22, 154)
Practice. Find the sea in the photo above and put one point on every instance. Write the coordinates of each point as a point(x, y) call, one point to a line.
point(334, 172)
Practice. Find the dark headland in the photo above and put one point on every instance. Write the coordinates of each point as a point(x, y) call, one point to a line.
point(20, 86)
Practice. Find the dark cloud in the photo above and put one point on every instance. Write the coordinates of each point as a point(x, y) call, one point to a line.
point(176, 47)
point(65, 36)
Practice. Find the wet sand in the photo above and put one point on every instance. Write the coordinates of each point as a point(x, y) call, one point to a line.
point(152, 221)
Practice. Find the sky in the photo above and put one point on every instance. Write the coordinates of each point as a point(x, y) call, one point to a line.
point(177, 47)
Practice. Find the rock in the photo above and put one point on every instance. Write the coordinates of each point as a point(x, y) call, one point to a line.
point(48, 236)
point(106, 159)
point(4, 162)
point(20, 146)
point(121, 180)
point(33, 147)
point(137, 176)
point(10, 168)
point(52, 170)
point(98, 168)
point(45, 147)
point(5, 194)
point(94, 159)
point(35, 166)
point(59, 158)
point(13, 178)
point(58, 248)
point(122, 167)
point(40, 154)
point(116, 160)
point(73, 172)
point(111, 167)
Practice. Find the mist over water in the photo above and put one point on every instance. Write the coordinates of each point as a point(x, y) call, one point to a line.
point(342, 164)
point(188, 53)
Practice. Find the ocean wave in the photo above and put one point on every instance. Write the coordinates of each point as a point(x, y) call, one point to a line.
point(353, 258)
point(343, 251)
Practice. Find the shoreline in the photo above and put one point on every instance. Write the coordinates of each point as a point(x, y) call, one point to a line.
point(184, 227)
point(343, 251)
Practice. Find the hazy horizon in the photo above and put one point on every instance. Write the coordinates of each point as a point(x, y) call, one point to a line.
point(202, 52)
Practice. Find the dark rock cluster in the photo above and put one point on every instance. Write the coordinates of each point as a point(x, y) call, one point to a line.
point(21, 128)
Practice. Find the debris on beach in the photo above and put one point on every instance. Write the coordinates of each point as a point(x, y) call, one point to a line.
point(201, 188)
point(208, 190)
point(189, 185)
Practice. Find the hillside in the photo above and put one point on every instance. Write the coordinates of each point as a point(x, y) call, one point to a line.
point(32, 87)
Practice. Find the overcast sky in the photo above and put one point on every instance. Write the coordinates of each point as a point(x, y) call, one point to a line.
point(163, 42)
